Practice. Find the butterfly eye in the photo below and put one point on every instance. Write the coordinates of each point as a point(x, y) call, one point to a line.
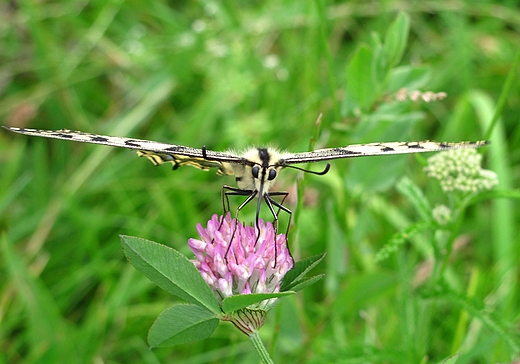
point(255, 171)
point(272, 174)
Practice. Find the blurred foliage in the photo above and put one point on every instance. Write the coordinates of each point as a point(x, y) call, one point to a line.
point(232, 74)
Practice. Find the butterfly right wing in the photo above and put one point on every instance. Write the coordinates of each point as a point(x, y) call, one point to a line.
point(157, 152)
point(375, 149)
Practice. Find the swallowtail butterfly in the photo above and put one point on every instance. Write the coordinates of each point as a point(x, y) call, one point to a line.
point(256, 169)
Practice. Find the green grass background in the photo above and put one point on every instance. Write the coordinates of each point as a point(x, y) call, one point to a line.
point(229, 75)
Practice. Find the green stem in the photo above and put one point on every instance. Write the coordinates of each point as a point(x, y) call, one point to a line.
point(260, 348)
point(458, 217)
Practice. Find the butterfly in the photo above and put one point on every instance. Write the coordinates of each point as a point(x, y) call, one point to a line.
point(256, 169)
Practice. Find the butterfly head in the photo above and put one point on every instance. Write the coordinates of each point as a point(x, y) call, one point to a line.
point(259, 171)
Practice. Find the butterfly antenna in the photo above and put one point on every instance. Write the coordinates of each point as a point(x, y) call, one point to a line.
point(327, 167)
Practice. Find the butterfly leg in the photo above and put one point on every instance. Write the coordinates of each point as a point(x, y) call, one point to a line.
point(225, 200)
point(233, 191)
point(270, 203)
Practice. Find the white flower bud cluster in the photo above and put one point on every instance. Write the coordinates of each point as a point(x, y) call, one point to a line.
point(442, 214)
point(460, 170)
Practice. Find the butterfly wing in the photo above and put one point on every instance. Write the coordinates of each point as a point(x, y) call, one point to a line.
point(156, 152)
point(372, 149)
point(180, 160)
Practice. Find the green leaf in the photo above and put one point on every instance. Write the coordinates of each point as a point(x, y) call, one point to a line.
point(170, 270)
point(452, 359)
point(415, 195)
point(376, 174)
point(380, 67)
point(181, 324)
point(399, 238)
point(299, 270)
point(396, 38)
point(360, 87)
point(365, 290)
point(411, 78)
point(494, 194)
point(304, 282)
point(237, 302)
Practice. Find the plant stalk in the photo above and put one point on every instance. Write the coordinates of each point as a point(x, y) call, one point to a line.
point(260, 348)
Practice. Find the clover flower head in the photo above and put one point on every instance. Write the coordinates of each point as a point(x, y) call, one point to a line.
point(238, 259)
point(460, 170)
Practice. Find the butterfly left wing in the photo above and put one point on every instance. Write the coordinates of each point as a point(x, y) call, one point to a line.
point(178, 160)
point(156, 152)
point(373, 149)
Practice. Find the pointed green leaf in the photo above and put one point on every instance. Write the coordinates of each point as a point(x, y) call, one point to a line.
point(488, 195)
point(170, 270)
point(399, 238)
point(304, 282)
point(299, 270)
point(181, 324)
point(237, 302)
point(360, 87)
point(365, 174)
point(396, 38)
point(452, 359)
point(415, 195)
point(380, 67)
point(411, 78)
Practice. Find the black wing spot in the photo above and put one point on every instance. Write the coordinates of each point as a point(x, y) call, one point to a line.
point(387, 149)
point(99, 139)
point(414, 146)
point(177, 148)
point(132, 143)
point(64, 135)
point(343, 151)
